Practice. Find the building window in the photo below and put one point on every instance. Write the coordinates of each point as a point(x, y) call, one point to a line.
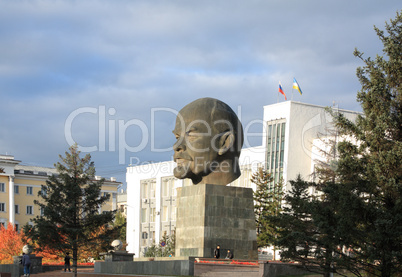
point(144, 217)
point(17, 227)
point(152, 193)
point(173, 215)
point(173, 188)
point(168, 188)
point(2, 187)
point(144, 190)
point(165, 188)
point(165, 214)
point(29, 191)
point(30, 210)
point(2, 207)
point(16, 189)
point(152, 215)
point(276, 148)
point(148, 188)
point(17, 209)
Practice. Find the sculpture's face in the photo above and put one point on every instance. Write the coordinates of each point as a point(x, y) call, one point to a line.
point(196, 147)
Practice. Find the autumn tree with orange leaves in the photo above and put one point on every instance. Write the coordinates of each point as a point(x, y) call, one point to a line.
point(11, 243)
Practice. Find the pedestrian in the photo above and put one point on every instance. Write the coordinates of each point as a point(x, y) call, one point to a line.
point(26, 263)
point(229, 255)
point(67, 262)
point(217, 252)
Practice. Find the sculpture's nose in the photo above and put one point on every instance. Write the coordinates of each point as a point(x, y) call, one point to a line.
point(179, 145)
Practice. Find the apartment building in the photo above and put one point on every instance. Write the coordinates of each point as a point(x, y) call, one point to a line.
point(19, 187)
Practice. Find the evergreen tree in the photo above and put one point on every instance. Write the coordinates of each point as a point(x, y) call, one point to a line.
point(370, 163)
point(295, 222)
point(165, 248)
point(358, 202)
point(267, 204)
point(70, 205)
point(325, 168)
point(261, 179)
point(314, 230)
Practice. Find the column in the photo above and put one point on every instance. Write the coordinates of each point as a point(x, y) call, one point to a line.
point(11, 199)
point(158, 206)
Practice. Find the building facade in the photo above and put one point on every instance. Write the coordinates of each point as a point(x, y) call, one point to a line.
point(287, 149)
point(19, 187)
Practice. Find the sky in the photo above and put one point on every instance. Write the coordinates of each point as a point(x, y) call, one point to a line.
point(110, 75)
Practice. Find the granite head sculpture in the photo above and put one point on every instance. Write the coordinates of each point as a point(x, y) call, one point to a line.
point(209, 137)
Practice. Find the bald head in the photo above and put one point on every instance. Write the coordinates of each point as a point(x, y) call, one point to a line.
point(209, 140)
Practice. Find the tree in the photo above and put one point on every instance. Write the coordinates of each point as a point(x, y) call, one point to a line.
point(99, 242)
point(359, 205)
point(165, 248)
point(11, 243)
point(267, 204)
point(295, 222)
point(325, 168)
point(370, 163)
point(70, 207)
point(120, 222)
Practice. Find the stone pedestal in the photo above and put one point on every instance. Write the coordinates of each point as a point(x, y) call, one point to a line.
point(118, 256)
point(36, 263)
point(211, 215)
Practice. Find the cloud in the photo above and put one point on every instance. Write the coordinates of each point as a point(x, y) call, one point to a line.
point(133, 56)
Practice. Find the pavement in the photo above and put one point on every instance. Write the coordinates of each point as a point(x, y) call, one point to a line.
point(59, 273)
point(82, 272)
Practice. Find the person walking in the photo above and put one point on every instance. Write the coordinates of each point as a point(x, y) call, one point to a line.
point(26, 263)
point(217, 252)
point(67, 262)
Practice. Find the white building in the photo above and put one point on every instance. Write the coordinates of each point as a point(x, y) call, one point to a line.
point(289, 129)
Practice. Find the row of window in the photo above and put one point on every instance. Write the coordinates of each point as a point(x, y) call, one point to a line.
point(16, 226)
point(148, 188)
point(145, 235)
point(29, 190)
point(151, 214)
point(16, 189)
point(29, 209)
point(276, 148)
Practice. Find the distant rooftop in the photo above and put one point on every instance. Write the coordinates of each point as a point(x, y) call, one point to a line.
point(8, 159)
point(37, 169)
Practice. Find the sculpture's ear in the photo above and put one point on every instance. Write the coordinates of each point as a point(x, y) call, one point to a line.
point(226, 141)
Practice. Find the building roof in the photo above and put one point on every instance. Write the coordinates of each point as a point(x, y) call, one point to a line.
point(50, 170)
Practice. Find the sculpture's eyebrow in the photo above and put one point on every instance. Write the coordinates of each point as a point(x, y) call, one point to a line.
point(192, 129)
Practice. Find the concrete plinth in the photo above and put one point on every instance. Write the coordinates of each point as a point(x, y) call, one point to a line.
point(118, 256)
point(36, 263)
point(211, 215)
point(159, 266)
